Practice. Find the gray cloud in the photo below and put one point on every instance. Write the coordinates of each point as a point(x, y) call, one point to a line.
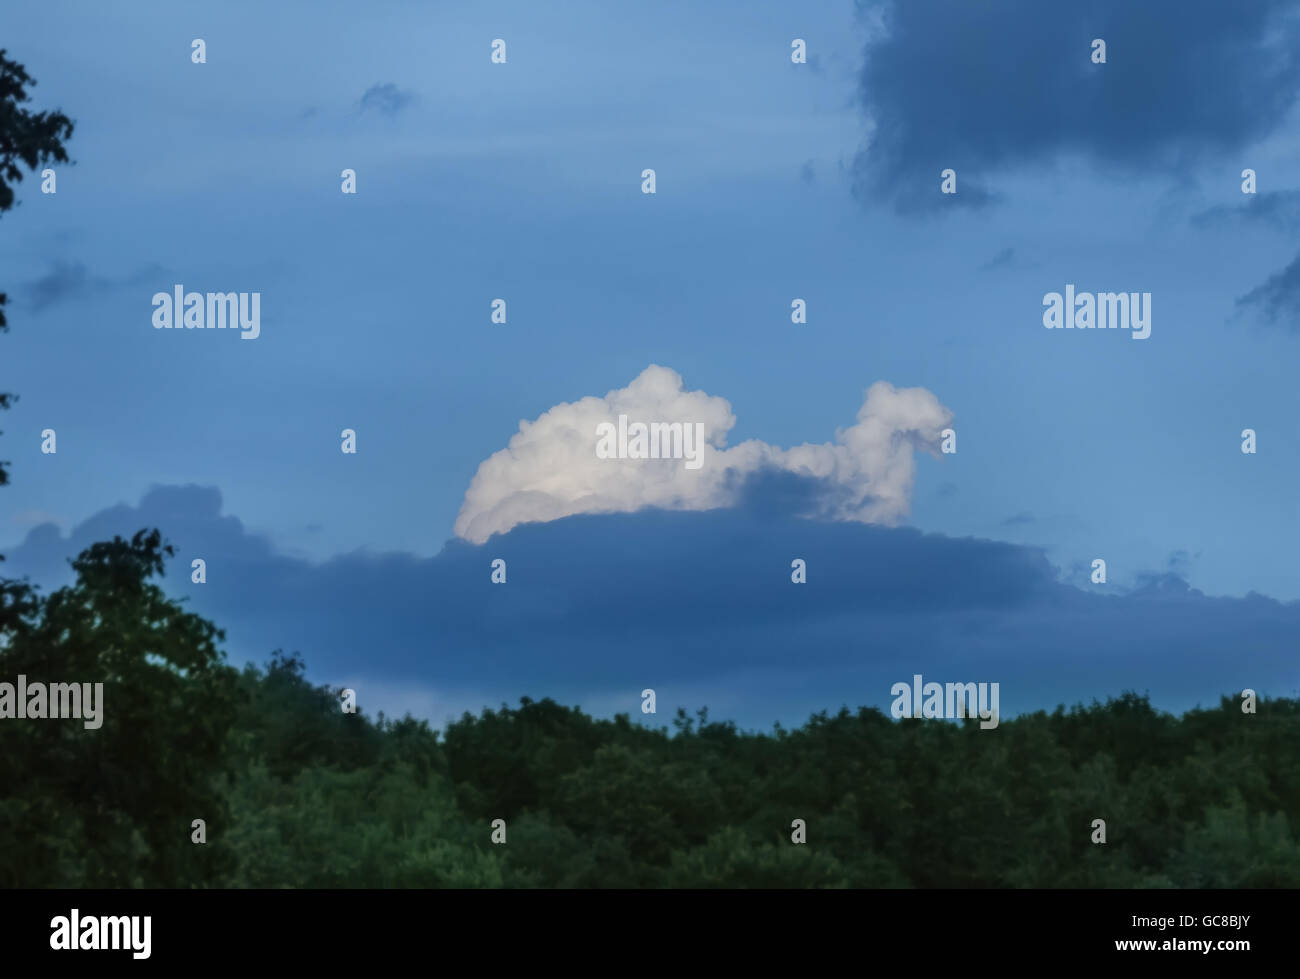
point(1278, 300)
point(1002, 259)
point(987, 87)
point(386, 98)
point(68, 281)
point(1279, 209)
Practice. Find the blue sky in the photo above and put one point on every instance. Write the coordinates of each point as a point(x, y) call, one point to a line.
point(774, 181)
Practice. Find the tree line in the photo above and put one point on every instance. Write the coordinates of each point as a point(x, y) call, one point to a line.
point(295, 792)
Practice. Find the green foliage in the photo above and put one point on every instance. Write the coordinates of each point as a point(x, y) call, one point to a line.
point(111, 807)
point(369, 827)
point(732, 858)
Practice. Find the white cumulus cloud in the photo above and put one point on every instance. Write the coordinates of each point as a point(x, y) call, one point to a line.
point(550, 468)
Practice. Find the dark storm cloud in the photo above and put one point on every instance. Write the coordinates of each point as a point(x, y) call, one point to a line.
point(982, 87)
point(704, 601)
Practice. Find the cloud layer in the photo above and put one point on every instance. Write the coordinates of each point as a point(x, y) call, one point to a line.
point(700, 606)
point(550, 468)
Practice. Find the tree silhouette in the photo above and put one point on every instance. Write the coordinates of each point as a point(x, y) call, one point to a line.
point(31, 139)
point(112, 806)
